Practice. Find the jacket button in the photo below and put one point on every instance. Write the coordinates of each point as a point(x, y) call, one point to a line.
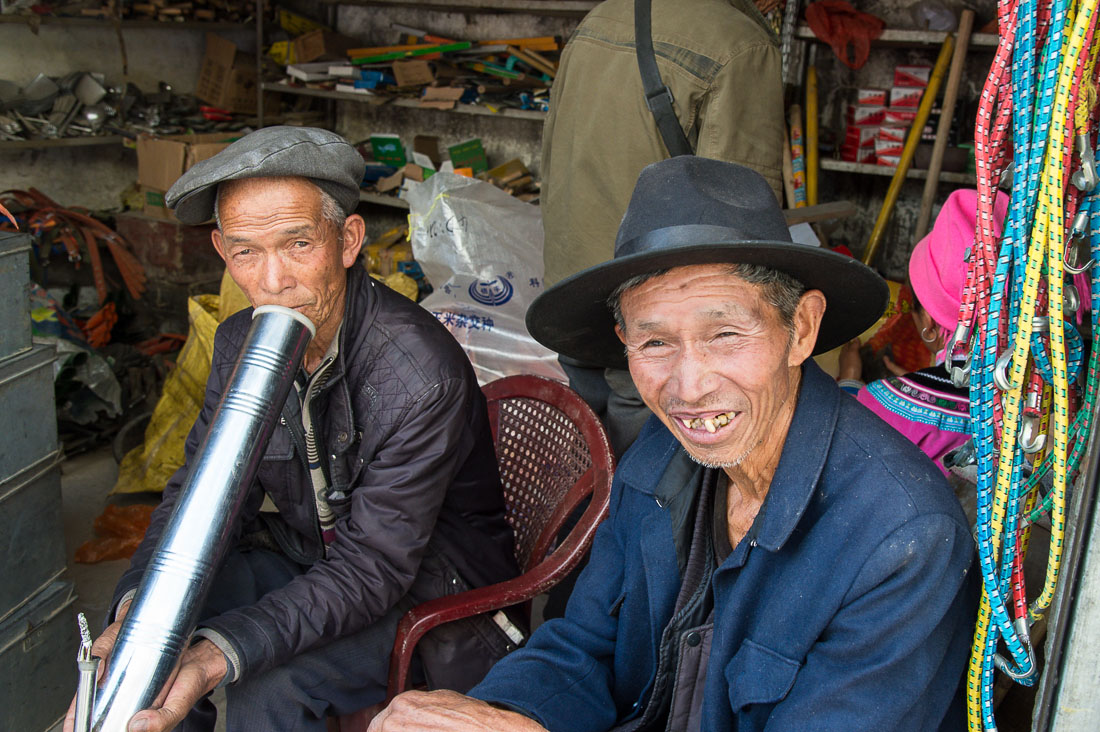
point(693, 639)
point(342, 437)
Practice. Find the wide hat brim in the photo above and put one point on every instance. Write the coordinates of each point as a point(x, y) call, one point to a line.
point(573, 318)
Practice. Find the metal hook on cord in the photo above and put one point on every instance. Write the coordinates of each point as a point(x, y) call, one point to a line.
point(1086, 177)
point(1025, 677)
point(960, 375)
point(1032, 439)
point(1072, 257)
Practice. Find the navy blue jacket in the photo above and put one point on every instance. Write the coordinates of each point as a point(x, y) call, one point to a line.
point(852, 609)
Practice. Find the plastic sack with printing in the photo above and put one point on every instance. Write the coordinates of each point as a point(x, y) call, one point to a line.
point(481, 249)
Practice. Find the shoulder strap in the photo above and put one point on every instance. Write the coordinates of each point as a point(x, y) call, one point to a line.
point(657, 96)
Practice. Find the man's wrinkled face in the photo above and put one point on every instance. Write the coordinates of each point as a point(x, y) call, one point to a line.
point(279, 248)
point(714, 360)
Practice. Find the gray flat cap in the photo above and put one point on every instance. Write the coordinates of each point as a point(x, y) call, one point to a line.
point(308, 152)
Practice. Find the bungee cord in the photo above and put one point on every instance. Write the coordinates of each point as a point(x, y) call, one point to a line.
point(1013, 344)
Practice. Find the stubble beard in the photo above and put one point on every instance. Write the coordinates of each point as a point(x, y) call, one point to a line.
point(724, 464)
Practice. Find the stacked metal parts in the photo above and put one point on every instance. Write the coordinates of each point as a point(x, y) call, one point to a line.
point(37, 633)
point(1018, 339)
point(174, 587)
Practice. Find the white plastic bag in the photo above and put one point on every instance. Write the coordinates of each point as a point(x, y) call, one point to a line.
point(481, 249)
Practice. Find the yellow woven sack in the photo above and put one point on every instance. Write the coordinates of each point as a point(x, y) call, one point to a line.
point(148, 467)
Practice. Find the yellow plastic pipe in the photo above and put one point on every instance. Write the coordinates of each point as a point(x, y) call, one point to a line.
point(811, 135)
point(910, 148)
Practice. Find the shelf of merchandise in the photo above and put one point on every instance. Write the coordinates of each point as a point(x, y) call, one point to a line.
point(909, 38)
point(542, 7)
point(36, 20)
point(843, 166)
point(383, 200)
point(478, 109)
point(60, 142)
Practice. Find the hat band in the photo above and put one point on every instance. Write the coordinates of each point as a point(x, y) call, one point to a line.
point(671, 237)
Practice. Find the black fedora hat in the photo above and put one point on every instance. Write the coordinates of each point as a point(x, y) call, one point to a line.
point(689, 210)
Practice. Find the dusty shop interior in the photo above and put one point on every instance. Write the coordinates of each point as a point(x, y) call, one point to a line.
point(109, 304)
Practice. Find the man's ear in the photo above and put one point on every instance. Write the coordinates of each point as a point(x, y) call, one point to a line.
point(219, 244)
point(807, 323)
point(621, 333)
point(354, 231)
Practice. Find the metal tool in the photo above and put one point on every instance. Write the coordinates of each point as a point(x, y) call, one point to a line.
point(181, 570)
point(88, 666)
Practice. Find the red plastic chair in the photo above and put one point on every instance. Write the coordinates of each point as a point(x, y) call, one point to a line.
point(553, 453)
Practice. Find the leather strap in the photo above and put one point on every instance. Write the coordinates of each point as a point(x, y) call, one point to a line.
point(657, 96)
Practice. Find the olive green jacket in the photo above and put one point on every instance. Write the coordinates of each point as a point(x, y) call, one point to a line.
point(722, 65)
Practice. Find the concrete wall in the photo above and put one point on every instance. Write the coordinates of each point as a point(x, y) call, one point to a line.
point(95, 177)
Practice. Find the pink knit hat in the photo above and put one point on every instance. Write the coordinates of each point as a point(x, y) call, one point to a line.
point(937, 266)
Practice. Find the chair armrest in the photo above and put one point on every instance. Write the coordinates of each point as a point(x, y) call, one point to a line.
point(421, 619)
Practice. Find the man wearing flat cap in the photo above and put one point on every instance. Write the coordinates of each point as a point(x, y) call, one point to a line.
point(379, 487)
point(776, 557)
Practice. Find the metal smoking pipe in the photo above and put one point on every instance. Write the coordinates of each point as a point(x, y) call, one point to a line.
point(174, 586)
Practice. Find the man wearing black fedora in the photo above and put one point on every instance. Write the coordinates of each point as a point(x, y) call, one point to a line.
point(776, 557)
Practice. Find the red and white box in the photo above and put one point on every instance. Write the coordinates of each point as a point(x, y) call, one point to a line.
point(888, 148)
point(899, 117)
point(871, 97)
point(858, 154)
point(913, 76)
point(889, 160)
point(904, 96)
point(858, 115)
point(861, 135)
point(892, 134)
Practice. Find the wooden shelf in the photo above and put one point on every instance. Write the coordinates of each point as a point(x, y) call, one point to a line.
point(529, 7)
point(843, 166)
point(478, 109)
point(60, 142)
point(383, 200)
point(125, 23)
point(909, 38)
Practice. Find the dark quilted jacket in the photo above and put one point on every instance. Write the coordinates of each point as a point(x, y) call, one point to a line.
point(405, 443)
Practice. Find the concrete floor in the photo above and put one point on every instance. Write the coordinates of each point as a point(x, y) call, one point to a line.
point(86, 481)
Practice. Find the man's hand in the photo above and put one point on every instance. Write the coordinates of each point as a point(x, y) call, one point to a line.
point(448, 711)
point(101, 648)
point(201, 668)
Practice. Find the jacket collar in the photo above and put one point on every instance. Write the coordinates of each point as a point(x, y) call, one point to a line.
point(359, 303)
point(796, 478)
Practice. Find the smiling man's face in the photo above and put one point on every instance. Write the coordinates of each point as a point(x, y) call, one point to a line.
point(714, 360)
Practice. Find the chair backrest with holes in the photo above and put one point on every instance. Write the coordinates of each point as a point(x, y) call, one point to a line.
point(544, 435)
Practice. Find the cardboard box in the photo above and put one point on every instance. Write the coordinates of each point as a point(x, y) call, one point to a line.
point(228, 77)
point(902, 97)
point(388, 150)
point(320, 44)
point(153, 204)
point(413, 72)
point(161, 160)
point(858, 115)
point(893, 134)
point(861, 135)
point(858, 154)
point(899, 117)
point(912, 76)
point(871, 97)
point(888, 148)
